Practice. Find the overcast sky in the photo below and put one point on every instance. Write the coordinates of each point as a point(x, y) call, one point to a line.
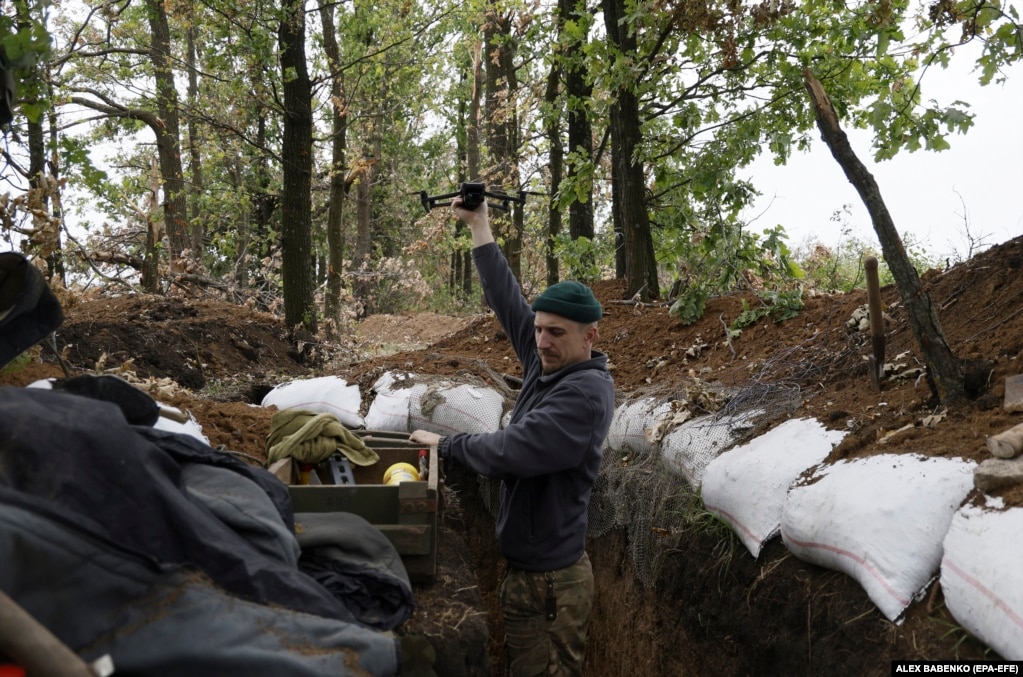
point(928, 194)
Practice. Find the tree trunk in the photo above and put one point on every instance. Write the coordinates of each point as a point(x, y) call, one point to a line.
point(363, 243)
point(264, 205)
point(56, 258)
point(555, 165)
point(241, 263)
point(44, 239)
point(944, 370)
point(580, 133)
point(339, 131)
point(628, 181)
point(502, 135)
point(456, 277)
point(150, 270)
point(473, 154)
point(197, 231)
point(296, 151)
point(168, 140)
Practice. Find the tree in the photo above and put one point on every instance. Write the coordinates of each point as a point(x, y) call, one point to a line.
point(501, 116)
point(24, 44)
point(574, 15)
point(684, 96)
point(628, 182)
point(297, 158)
point(166, 125)
point(944, 370)
point(556, 166)
point(338, 148)
point(468, 135)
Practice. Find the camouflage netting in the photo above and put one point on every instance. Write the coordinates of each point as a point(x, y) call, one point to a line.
point(661, 441)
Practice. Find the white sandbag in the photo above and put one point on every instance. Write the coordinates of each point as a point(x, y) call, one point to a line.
point(391, 407)
point(880, 520)
point(322, 395)
point(191, 427)
point(690, 447)
point(631, 421)
point(981, 576)
point(43, 384)
point(746, 485)
point(448, 408)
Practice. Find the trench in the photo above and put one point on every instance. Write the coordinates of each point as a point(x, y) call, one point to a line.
point(713, 610)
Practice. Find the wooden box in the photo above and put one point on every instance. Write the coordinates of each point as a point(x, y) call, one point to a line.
point(407, 513)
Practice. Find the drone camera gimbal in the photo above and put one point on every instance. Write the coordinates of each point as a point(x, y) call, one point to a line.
point(473, 195)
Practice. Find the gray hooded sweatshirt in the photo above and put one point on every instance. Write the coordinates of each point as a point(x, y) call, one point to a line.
point(549, 454)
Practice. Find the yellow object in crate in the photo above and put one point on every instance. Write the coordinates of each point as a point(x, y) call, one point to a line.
point(401, 472)
point(406, 512)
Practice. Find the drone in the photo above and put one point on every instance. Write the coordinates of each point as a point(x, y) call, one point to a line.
point(473, 195)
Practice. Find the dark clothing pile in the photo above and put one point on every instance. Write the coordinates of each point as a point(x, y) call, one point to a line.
point(168, 555)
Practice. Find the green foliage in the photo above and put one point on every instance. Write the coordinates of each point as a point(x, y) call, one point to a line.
point(76, 160)
point(25, 42)
point(716, 88)
point(839, 267)
point(776, 305)
point(394, 285)
point(725, 259)
point(689, 306)
point(19, 363)
point(580, 258)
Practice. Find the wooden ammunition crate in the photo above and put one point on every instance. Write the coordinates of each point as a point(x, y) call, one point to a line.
point(406, 513)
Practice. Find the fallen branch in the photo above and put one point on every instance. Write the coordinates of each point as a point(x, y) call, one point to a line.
point(634, 302)
point(500, 380)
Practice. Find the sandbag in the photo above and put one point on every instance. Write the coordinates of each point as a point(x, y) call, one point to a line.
point(448, 407)
point(190, 426)
point(631, 421)
point(746, 486)
point(690, 447)
point(402, 404)
point(392, 403)
point(880, 520)
point(322, 395)
point(981, 578)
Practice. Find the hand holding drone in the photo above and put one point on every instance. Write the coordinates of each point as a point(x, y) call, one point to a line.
point(473, 195)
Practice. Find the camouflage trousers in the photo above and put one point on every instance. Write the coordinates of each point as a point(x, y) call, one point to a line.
point(546, 616)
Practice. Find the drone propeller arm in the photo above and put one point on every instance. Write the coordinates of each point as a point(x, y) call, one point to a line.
point(431, 202)
point(505, 199)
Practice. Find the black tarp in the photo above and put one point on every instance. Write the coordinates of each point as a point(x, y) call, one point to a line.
point(171, 556)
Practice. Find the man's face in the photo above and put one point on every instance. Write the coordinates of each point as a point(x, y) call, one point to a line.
point(561, 342)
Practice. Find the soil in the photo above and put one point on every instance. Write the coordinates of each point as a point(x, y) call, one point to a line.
point(707, 614)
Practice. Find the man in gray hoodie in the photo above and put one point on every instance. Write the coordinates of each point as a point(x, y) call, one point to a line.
point(546, 458)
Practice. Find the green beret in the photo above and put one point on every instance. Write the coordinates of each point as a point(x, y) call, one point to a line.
point(570, 299)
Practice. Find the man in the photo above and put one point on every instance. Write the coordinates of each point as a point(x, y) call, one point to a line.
point(547, 459)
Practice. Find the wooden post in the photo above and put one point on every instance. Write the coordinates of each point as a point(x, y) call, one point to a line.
point(24, 640)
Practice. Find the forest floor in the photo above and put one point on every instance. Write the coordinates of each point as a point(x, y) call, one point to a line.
point(706, 615)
